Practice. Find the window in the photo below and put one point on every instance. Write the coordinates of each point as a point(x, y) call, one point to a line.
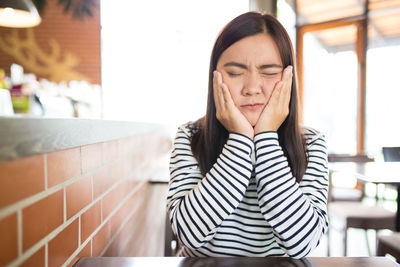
point(155, 57)
point(330, 87)
point(383, 86)
point(374, 125)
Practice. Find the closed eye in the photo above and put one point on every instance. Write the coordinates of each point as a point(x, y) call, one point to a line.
point(270, 74)
point(233, 74)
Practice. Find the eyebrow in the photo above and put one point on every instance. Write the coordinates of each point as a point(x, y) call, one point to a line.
point(243, 66)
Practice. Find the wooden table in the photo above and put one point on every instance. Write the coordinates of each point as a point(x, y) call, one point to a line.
point(374, 172)
point(236, 262)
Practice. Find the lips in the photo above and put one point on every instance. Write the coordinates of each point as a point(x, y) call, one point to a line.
point(254, 106)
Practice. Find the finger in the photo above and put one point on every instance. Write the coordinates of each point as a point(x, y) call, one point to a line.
point(287, 73)
point(215, 82)
point(219, 78)
point(215, 91)
point(227, 95)
point(276, 93)
point(287, 85)
point(217, 100)
point(218, 97)
point(220, 90)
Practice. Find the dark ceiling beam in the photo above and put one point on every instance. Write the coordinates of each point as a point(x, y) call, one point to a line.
point(361, 49)
point(264, 6)
point(331, 24)
point(372, 24)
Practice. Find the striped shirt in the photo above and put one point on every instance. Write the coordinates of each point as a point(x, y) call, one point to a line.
point(249, 203)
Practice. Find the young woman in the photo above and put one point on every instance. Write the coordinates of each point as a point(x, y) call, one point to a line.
point(247, 179)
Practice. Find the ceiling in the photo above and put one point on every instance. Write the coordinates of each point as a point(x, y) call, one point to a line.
point(383, 19)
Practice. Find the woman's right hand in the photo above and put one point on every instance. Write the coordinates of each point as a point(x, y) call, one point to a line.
point(227, 113)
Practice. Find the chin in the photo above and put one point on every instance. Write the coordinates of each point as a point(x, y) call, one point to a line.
point(253, 119)
point(253, 123)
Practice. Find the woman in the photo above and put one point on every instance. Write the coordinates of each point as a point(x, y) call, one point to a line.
point(246, 179)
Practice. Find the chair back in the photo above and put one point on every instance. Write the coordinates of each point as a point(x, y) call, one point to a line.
point(391, 153)
point(171, 243)
point(168, 238)
point(339, 194)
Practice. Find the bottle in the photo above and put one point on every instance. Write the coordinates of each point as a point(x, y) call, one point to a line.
point(3, 79)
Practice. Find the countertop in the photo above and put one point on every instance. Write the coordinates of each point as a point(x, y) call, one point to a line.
point(24, 136)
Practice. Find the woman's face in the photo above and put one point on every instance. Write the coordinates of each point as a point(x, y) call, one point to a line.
point(250, 68)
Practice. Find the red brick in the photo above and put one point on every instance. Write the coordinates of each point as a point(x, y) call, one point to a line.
point(79, 195)
point(133, 144)
point(41, 218)
point(8, 239)
point(62, 165)
point(36, 259)
point(136, 230)
point(90, 220)
point(117, 171)
point(100, 240)
point(132, 203)
point(64, 244)
point(85, 252)
point(110, 151)
point(21, 178)
point(111, 200)
point(114, 248)
point(102, 181)
point(126, 168)
point(91, 156)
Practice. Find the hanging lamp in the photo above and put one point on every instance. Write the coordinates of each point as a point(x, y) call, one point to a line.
point(18, 14)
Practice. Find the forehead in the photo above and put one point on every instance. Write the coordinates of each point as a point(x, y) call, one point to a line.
point(256, 49)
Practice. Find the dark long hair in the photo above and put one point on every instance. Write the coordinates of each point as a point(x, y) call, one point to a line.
point(208, 134)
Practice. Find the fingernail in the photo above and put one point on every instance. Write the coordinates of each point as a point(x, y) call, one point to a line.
point(289, 69)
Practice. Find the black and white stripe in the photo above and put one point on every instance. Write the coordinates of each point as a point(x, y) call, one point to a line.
point(245, 207)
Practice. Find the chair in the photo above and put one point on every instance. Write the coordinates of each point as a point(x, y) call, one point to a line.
point(389, 244)
point(171, 246)
point(344, 214)
point(391, 153)
point(346, 194)
point(352, 214)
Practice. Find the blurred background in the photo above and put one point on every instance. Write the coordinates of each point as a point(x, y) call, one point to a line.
point(148, 61)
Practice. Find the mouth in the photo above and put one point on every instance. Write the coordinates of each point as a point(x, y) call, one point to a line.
point(254, 106)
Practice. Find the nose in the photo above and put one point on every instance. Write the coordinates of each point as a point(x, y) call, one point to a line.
point(252, 85)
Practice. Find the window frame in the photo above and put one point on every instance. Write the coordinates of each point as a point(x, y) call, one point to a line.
point(361, 22)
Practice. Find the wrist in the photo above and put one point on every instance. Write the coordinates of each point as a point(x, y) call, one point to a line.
point(264, 129)
point(246, 136)
point(249, 134)
point(248, 131)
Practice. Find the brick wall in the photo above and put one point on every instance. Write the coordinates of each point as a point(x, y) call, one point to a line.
point(84, 201)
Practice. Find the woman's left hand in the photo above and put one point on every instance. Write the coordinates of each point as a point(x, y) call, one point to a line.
point(277, 109)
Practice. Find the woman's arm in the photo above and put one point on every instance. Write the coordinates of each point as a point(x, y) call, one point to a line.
point(296, 212)
point(197, 205)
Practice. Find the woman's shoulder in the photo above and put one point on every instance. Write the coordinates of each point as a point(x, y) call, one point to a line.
point(188, 128)
point(312, 135)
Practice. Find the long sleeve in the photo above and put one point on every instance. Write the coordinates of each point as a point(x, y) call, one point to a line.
point(296, 212)
point(197, 205)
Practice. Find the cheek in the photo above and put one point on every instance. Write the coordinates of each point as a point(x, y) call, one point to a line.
point(235, 86)
point(269, 85)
